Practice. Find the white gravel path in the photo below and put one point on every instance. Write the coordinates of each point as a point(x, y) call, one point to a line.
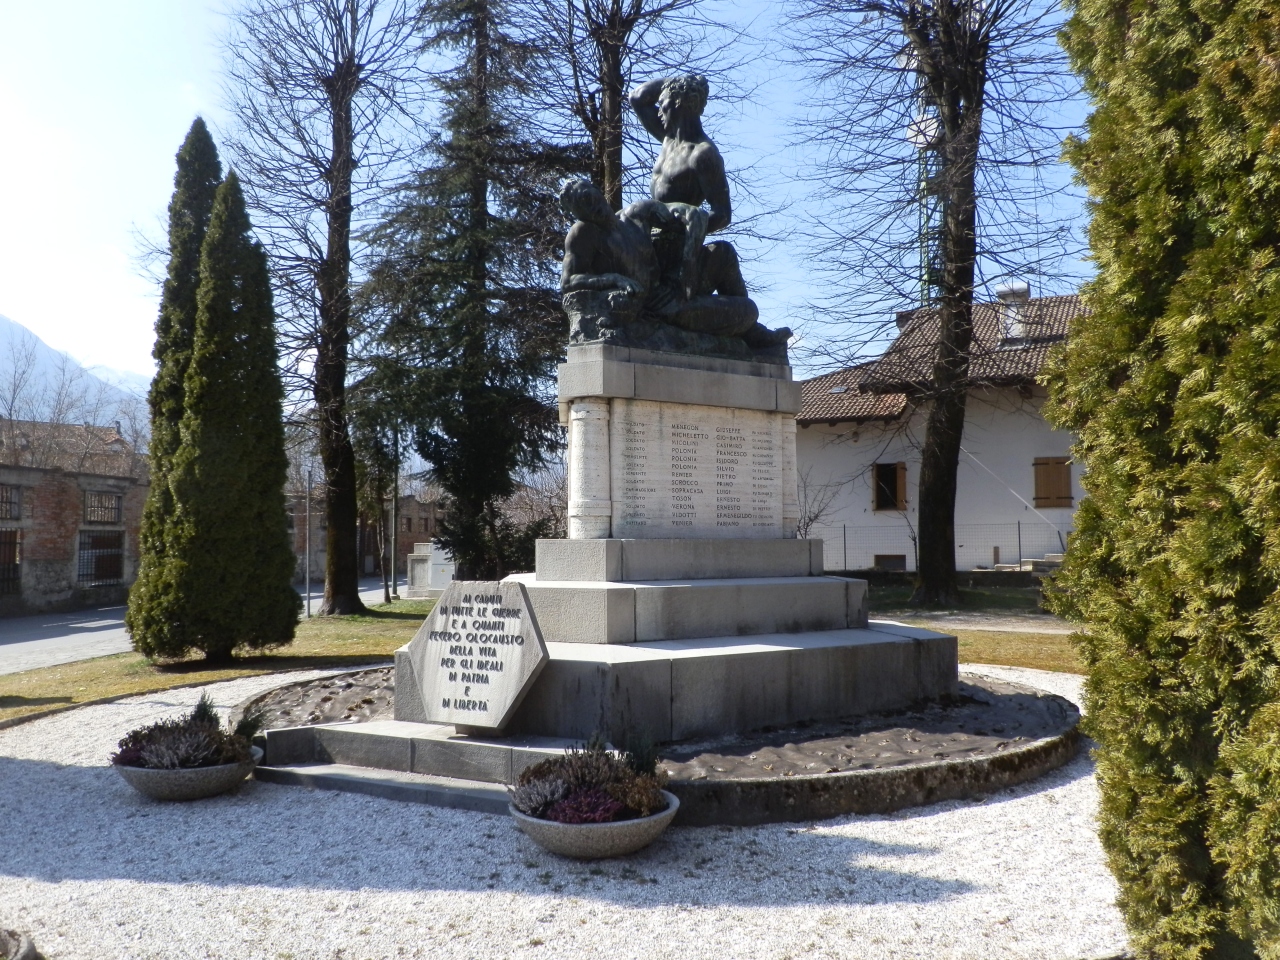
point(91, 870)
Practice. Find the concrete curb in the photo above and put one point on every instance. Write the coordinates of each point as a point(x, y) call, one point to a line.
point(820, 797)
point(63, 708)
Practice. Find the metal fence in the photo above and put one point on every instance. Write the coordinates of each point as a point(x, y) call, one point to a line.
point(978, 545)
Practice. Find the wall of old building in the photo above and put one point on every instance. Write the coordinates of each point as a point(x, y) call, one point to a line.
point(996, 515)
point(52, 517)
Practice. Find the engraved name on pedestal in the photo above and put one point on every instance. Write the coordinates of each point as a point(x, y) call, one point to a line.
point(478, 654)
point(681, 470)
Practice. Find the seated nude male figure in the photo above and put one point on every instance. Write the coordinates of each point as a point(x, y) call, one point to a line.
point(604, 251)
point(613, 252)
point(689, 172)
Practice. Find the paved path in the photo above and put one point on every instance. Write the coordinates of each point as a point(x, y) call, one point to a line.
point(996, 622)
point(48, 639)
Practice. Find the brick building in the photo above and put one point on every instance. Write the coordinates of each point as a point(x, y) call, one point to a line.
point(70, 505)
point(416, 522)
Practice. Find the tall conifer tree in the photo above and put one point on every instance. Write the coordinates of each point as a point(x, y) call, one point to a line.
point(228, 563)
point(197, 178)
point(1172, 385)
point(468, 275)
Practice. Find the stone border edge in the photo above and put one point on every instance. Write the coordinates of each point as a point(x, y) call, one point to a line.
point(823, 796)
point(116, 698)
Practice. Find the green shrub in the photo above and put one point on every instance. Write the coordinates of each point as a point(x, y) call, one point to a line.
point(1172, 386)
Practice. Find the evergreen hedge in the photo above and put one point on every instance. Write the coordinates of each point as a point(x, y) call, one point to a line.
point(1172, 385)
point(197, 178)
point(228, 565)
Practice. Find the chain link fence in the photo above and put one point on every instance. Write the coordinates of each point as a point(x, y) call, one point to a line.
point(979, 546)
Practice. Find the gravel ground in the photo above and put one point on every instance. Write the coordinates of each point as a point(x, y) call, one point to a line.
point(92, 870)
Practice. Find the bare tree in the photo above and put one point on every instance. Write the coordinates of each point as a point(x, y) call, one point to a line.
point(61, 416)
point(542, 496)
point(937, 120)
point(588, 55)
point(816, 501)
point(323, 91)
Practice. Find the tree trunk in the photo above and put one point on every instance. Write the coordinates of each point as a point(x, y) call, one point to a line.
point(936, 583)
point(342, 574)
point(610, 41)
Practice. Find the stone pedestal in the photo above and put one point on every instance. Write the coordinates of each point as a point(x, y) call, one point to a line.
point(664, 445)
point(682, 604)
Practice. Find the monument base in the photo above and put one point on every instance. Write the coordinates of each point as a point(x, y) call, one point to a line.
point(678, 689)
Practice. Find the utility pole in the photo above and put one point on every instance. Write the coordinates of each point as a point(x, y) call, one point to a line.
point(395, 512)
point(306, 560)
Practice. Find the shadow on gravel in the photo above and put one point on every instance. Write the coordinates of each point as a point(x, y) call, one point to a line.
point(72, 823)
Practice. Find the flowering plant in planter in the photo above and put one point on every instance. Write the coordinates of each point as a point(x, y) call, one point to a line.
point(188, 742)
point(188, 757)
point(592, 785)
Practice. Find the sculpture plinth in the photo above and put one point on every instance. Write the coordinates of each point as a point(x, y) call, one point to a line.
point(668, 446)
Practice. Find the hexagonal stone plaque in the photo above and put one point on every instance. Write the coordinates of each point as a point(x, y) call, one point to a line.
point(478, 654)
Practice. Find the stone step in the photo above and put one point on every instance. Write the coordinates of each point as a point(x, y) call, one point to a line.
point(571, 611)
point(391, 785)
point(677, 689)
point(691, 559)
point(419, 748)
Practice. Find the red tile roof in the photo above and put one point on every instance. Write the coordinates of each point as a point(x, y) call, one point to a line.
point(878, 390)
point(836, 398)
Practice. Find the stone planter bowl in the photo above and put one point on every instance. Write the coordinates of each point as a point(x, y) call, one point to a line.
point(16, 946)
point(593, 841)
point(194, 784)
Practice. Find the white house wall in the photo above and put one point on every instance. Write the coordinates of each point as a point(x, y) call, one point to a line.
point(1003, 435)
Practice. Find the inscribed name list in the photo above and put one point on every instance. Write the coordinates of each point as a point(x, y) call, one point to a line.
point(681, 470)
point(477, 654)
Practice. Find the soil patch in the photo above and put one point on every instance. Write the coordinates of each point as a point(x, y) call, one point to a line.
point(986, 718)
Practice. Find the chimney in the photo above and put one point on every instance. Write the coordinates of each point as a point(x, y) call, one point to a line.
point(1013, 299)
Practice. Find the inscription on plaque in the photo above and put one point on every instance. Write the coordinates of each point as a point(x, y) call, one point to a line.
point(680, 470)
point(477, 654)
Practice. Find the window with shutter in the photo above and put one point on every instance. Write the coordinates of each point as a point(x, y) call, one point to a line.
point(890, 486)
point(1053, 481)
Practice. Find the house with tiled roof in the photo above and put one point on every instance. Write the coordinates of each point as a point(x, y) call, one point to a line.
point(860, 430)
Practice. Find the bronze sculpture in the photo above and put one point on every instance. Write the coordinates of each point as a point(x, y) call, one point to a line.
point(643, 277)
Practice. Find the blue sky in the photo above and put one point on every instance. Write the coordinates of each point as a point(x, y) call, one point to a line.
point(95, 99)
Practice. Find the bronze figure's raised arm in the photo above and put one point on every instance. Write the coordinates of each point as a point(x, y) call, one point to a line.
point(689, 168)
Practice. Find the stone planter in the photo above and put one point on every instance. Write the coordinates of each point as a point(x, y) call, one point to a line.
point(16, 946)
point(592, 841)
point(193, 784)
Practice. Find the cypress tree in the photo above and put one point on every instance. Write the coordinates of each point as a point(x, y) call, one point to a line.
point(228, 563)
point(198, 175)
point(1172, 385)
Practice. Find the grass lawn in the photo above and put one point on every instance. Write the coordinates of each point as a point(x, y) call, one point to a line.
point(1040, 651)
point(321, 642)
